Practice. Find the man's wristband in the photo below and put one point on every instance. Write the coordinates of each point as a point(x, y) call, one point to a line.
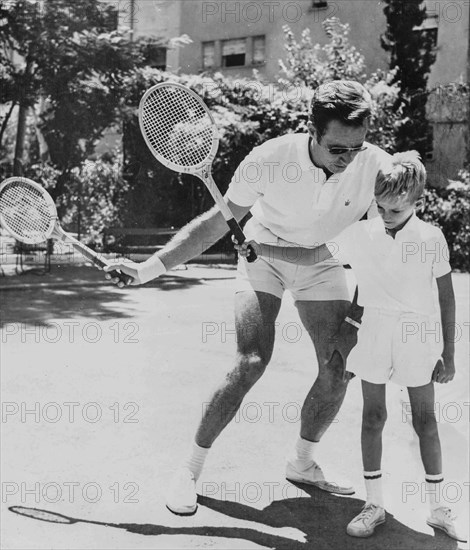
point(151, 269)
point(352, 322)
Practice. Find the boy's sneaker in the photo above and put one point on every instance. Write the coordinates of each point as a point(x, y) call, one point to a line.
point(182, 497)
point(364, 524)
point(442, 518)
point(313, 475)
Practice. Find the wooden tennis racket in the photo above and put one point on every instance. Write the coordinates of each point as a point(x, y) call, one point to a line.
point(181, 133)
point(29, 214)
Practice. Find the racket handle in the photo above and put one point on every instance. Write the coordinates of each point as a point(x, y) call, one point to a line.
point(238, 234)
point(98, 260)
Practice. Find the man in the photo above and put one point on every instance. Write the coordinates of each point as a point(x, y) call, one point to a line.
point(301, 189)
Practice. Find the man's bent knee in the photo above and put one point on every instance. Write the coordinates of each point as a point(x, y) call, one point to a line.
point(332, 372)
point(250, 368)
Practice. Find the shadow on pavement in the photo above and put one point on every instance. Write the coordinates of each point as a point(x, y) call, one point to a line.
point(322, 518)
point(41, 306)
point(72, 293)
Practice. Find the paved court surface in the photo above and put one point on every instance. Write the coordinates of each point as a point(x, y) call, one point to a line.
point(102, 390)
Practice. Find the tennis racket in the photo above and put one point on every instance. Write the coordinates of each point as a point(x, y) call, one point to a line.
point(181, 133)
point(54, 517)
point(29, 214)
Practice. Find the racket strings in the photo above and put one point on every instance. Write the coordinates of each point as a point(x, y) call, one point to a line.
point(178, 126)
point(25, 212)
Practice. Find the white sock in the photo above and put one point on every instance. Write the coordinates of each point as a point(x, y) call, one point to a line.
point(433, 491)
point(373, 481)
point(304, 451)
point(196, 459)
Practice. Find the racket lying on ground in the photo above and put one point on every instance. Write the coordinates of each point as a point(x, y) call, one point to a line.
point(181, 133)
point(29, 214)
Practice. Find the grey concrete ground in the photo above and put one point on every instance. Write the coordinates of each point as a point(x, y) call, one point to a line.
point(102, 390)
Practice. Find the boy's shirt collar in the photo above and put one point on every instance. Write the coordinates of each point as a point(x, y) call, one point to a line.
point(405, 230)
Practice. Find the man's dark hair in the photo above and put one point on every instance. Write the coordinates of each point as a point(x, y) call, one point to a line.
point(346, 101)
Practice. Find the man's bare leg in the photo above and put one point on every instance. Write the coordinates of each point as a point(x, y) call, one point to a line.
point(321, 319)
point(255, 315)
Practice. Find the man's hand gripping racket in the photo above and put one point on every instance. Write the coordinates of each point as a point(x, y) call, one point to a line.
point(29, 214)
point(181, 133)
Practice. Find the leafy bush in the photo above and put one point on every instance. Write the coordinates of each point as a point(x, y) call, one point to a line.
point(93, 196)
point(247, 112)
point(311, 65)
point(449, 208)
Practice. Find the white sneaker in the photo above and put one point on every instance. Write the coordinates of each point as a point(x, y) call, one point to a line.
point(442, 518)
point(313, 475)
point(364, 524)
point(182, 497)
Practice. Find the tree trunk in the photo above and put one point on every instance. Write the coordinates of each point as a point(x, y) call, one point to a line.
point(18, 167)
point(20, 135)
point(5, 120)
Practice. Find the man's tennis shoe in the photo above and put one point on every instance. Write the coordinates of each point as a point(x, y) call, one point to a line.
point(364, 524)
point(313, 475)
point(442, 518)
point(182, 497)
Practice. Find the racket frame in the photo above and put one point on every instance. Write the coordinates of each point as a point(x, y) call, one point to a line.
point(202, 170)
point(55, 230)
point(49, 203)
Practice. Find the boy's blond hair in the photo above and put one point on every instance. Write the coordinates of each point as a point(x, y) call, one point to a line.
point(405, 178)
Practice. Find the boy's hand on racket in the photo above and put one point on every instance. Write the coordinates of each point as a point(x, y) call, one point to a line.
point(444, 371)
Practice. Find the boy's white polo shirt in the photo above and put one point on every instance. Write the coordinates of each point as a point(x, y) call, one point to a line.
point(394, 274)
point(291, 197)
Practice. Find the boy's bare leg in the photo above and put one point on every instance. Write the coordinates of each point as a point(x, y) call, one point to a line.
point(374, 415)
point(425, 425)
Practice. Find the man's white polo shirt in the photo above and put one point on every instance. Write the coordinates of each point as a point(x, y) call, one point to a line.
point(394, 274)
point(292, 198)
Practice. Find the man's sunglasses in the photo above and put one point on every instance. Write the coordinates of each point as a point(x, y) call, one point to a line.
point(343, 150)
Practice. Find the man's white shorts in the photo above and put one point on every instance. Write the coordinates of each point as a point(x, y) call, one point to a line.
point(323, 281)
point(395, 346)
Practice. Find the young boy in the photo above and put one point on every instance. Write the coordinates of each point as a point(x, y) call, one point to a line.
point(394, 258)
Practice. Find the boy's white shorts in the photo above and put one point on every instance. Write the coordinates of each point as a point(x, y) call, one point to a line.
point(395, 346)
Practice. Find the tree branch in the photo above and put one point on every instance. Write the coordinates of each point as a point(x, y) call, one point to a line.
point(6, 119)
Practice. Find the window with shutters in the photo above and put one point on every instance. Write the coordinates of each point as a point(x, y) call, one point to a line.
point(319, 4)
point(208, 55)
point(259, 55)
point(234, 52)
point(428, 29)
point(237, 52)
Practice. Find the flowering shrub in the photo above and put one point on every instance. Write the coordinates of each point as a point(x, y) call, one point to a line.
point(449, 208)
